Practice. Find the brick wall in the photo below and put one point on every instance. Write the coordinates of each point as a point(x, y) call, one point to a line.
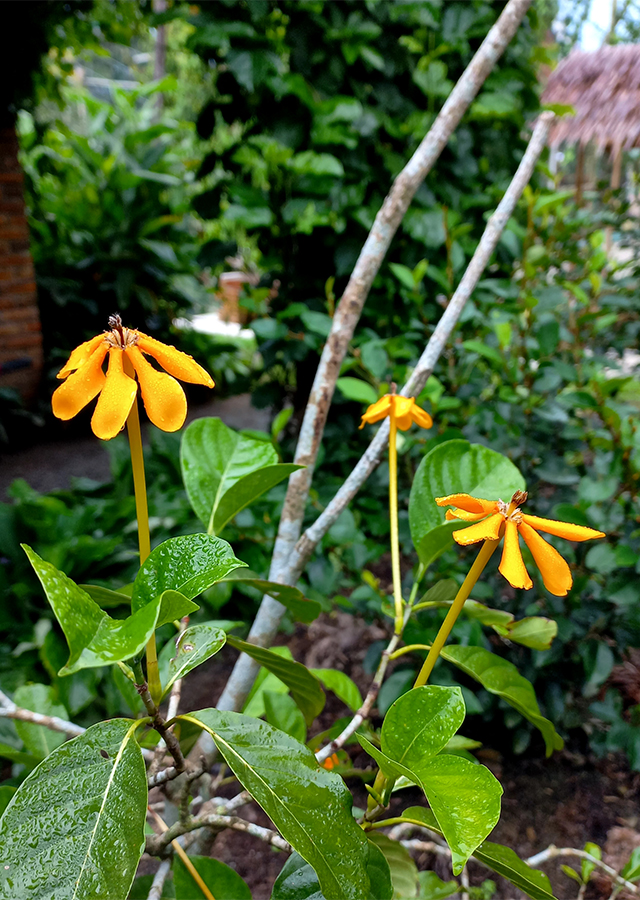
point(20, 333)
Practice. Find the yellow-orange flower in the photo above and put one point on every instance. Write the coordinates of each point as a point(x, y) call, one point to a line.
point(405, 411)
point(331, 762)
point(495, 518)
point(164, 399)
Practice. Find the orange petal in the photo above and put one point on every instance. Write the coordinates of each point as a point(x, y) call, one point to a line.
point(468, 503)
point(377, 411)
point(553, 568)
point(175, 362)
point(512, 565)
point(81, 387)
point(116, 399)
point(487, 530)
point(421, 418)
point(404, 423)
point(164, 399)
point(401, 406)
point(80, 355)
point(563, 529)
point(462, 514)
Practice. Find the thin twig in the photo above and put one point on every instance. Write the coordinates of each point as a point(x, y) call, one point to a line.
point(344, 322)
point(553, 852)
point(9, 710)
point(160, 725)
point(464, 881)
point(159, 879)
point(156, 844)
point(365, 709)
point(427, 847)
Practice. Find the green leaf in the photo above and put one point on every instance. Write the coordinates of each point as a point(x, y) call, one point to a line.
point(403, 870)
point(189, 564)
point(455, 467)
point(105, 598)
point(195, 646)
point(631, 871)
point(305, 688)
point(420, 723)
point(224, 471)
point(19, 756)
point(389, 767)
point(571, 873)
point(75, 827)
point(588, 867)
point(536, 632)
point(248, 489)
point(489, 353)
point(496, 857)
point(283, 712)
point(298, 881)
point(433, 888)
point(6, 793)
point(173, 606)
point(94, 638)
point(223, 882)
point(465, 799)
point(357, 390)
point(40, 698)
point(500, 677)
point(285, 779)
point(341, 685)
point(303, 609)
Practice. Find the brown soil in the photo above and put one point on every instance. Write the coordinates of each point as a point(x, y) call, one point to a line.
point(564, 801)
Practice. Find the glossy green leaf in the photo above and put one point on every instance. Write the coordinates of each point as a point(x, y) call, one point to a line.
point(341, 685)
point(455, 467)
point(105, 598)
point(303, 609)
point(310, 806)
point(223, 882)
point(433, 888)
point(6, 793)
point(224, 471)
point(75, 827)
point(283, 712)
point(195, 645)
point(265, 681)
point(465, 799)
point(37, 739)
point(498, 858)
point(247, 489)
point(94, 638)
point(403, 870)
point(389, 767)
point(500, 677)
point(358, 390)
point(298, 881)
point(420, 723)
point(586, 866)
point(173, 606)
point(189, 564)
point(305, 687)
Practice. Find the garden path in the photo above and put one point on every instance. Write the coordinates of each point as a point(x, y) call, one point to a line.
point(51, 465)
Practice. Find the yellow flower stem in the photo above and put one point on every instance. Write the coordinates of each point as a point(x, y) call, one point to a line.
point(144, 539)
point(393, 521)
point(456, 607)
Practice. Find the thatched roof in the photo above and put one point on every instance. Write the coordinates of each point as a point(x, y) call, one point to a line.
point(604, 89)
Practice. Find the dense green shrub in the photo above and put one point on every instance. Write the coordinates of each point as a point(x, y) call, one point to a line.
point(108, 203)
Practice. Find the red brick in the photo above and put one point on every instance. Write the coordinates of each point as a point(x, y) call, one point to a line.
point(11, 177)
point(19, 313)
point(15, 259)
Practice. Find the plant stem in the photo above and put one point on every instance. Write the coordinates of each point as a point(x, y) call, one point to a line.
point(456, 607)
point(144, 539)
point(393, 520)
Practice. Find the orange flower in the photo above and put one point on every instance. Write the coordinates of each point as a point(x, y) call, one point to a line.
point(331, 762)
point(496, 518)
point(405, 410)
point(164, 399)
